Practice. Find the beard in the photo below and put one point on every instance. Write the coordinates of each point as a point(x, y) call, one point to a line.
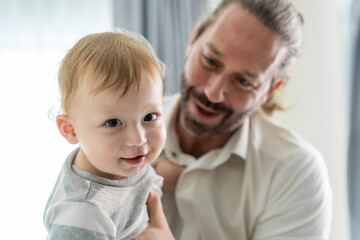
point(229, 123)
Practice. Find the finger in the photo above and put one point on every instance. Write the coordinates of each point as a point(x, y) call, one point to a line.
point(156, 214)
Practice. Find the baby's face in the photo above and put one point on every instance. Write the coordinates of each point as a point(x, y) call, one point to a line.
point(119, 136)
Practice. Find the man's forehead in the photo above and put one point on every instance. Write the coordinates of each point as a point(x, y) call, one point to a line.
point(238, 37)
point(234, 22)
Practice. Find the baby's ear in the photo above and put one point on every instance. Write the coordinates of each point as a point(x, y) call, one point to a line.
point(66, 128)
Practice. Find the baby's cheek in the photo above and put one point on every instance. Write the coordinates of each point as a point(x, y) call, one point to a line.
point(160, 138)
point(157, 139)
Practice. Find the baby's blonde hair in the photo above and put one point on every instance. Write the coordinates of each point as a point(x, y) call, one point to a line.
point(117, 62)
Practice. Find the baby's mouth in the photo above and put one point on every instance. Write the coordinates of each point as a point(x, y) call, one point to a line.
point(134, 160)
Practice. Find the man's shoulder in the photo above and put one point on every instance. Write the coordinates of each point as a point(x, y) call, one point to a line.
point(286, 155)
point(273, 139)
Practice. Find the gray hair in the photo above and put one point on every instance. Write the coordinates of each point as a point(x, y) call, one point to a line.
point(279, 16)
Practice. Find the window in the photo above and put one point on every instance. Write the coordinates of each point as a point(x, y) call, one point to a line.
point(34, 37)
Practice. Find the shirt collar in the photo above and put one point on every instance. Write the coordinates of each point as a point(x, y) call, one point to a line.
point(239, 141)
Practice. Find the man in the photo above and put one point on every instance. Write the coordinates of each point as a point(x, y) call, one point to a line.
point(230, 172)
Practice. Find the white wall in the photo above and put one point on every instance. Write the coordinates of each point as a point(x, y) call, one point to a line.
point(318, 96)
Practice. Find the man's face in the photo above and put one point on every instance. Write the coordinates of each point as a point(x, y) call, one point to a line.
point(228, 72)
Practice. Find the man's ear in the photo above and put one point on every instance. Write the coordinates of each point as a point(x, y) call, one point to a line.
point(275, 87)
point(272, 90)
point(66, 128)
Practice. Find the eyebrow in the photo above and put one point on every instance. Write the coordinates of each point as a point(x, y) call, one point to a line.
point(214, 50)
point(219, 54)
point(250, 74)
point(110, 109)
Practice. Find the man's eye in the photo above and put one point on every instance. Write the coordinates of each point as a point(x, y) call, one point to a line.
point(150, 117)
point(113, 123)
point(244, 82)
point(209, 61)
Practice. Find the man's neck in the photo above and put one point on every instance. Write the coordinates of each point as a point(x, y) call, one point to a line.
point(198, 146)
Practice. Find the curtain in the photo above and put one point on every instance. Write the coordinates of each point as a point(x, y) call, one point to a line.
point(354, 142)
point(167, 24)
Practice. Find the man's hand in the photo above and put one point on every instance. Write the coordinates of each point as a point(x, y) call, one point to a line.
point(170, 172)
point(158, 227)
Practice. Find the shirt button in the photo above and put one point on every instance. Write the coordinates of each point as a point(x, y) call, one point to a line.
point(174, 154)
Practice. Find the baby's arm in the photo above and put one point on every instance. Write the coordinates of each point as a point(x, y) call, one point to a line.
point(169, 171)
point(78, 220)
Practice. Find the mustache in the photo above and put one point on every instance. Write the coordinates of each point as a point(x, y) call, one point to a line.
point(219, 107)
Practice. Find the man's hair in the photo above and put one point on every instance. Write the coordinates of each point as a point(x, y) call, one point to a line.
point(115, 60)
point(279, 16)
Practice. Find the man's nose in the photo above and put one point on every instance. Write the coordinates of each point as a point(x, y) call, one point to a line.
point(216, 88)
point(135, 136)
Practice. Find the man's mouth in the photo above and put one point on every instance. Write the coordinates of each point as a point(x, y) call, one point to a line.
point(208, 112)
point(206, 105)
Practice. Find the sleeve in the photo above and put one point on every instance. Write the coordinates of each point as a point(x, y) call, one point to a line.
point(299, 201)
point(78, 220)
point(157, 181)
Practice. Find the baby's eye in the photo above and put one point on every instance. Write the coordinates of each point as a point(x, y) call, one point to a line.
point(113, 123)
point(150, 117)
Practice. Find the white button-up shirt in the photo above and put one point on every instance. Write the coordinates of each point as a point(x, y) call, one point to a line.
point(265, 183)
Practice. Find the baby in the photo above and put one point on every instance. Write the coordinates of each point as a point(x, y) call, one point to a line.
point(112, 103)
